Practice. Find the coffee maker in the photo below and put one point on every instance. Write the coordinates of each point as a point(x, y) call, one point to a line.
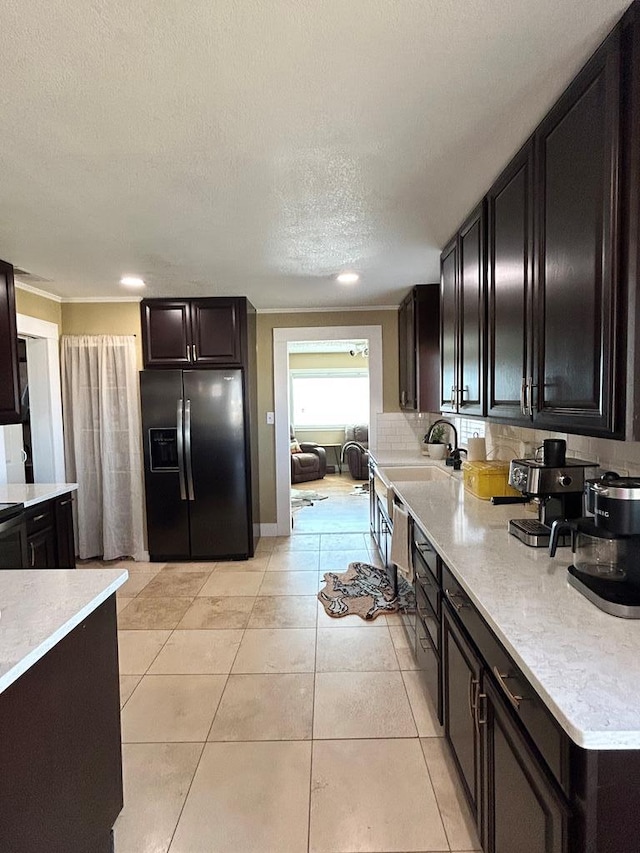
point(556, 485)
point(606, 545)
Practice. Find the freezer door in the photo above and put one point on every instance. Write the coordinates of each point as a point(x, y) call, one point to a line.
point(166, 501)
point(215, 454)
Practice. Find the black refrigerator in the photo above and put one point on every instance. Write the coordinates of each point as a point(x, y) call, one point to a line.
point(197, 463)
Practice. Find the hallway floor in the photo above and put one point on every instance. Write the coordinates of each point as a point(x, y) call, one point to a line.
point(251, 721)
point(343, 511)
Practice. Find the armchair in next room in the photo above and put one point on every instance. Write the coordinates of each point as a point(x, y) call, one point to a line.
point(308, 460)
point(355, 450)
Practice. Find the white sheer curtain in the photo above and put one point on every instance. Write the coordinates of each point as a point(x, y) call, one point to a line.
point(102, 443)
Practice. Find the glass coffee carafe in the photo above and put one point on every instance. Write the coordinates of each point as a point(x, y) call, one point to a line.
point(597, 552)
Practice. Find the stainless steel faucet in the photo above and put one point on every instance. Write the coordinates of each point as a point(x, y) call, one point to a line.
point(450, 425)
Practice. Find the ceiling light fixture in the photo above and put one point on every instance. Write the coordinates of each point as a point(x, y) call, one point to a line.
point(132, 281)
point(348, 277)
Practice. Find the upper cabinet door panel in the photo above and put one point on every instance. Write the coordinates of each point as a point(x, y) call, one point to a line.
point(216, 331)
point(9, 384)
point(448, 328)
point(510, 242)
point(471, 315)
point(166, 335)
point(578, 157)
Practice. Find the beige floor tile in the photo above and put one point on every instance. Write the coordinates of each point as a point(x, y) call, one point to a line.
point(278, 650)
point(394, 810)
point(233, 583)
point(207, 566)
point(338, 561)
point(294, 561)
point(353, 621)
point(153, 613)
point(209, 612)
point(258, 563)
point(128, 684)
point(265, 707)
point(280, 611)
point(121, 603)
point(290, 583)
point(187, 584)
point(197, 652)
point(156, 781)
point(343, 542)
point(406, 660)
point(134, 565)
point(138, 649)
point(398, 636)
point(297, 542)
point(135, 584)
point(457, 819)
point(247, 798)
point(353, 650)
point(265, 545)
point(361, 705)
point(424, 713)
point(170, 708)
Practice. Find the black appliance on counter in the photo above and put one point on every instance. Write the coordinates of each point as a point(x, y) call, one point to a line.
point(556, 489)
point(13, 536)
point(606, 545)
point(197, 464)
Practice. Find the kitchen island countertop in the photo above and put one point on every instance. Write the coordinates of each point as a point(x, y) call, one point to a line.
point(39, 608)
point(33, 493)
point(584, 663)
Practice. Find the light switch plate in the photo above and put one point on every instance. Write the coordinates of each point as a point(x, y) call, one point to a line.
point(271, 417)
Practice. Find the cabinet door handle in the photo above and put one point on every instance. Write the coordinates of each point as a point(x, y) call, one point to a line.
point(33, 555)
point(513, 698)
point(188, 353)
point(523, 396)
point(530, 387)
point(472, 690)
point(480, 720)
point(453, 396)
point(193, 350)
point(461, 393)
point(456, 600)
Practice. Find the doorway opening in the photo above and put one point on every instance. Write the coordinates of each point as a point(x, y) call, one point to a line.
point(316, 401)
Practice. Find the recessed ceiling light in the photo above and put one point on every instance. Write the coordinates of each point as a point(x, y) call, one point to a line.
point(348, 277)
point(132, 281)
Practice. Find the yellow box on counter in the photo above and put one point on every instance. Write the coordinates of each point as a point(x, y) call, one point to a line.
point(487, 478)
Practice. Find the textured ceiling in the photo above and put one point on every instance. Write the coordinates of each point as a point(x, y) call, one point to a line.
point(259, 146)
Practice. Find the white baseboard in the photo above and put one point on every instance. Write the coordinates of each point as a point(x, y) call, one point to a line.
point(269, 529)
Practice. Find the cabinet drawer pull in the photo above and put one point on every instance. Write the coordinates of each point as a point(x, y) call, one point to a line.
point(456, 599)
point(39, 517)
point(501, 678)
point(65, 503)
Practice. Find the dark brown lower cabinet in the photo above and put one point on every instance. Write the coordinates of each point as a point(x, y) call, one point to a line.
point(50, 537)
point(523, 810)
point(60, 755)
point(462, 672)
point(65, 544)
point(41, 549)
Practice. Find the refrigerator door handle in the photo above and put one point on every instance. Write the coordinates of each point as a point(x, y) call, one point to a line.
point(187, 442)
point(180, 436)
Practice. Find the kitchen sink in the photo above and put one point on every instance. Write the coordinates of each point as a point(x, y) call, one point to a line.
point(414, 473)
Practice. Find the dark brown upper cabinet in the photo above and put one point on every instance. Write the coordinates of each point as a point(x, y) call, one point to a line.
point(510, 291)
point(9, 381)
point(576, 298)
point(462, 312)
point(419, 349)
point(193, 332)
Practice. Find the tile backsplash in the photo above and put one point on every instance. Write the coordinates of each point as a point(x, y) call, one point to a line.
point(404, 431)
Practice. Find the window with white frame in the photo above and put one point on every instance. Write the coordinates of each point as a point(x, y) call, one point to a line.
point(329, 399)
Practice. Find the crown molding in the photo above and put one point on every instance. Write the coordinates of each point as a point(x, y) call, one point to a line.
point(29, 288)
point(79, 299)
point(341, 309)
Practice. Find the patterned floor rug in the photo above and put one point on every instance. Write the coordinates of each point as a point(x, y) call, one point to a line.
point(365, 591)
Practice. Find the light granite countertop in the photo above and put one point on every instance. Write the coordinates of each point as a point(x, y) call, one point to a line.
point(39, 608)
point(33, 493)
point(584, 664)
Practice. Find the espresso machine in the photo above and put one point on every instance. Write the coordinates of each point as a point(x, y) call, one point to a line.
point(556, 485)
point(606, 545)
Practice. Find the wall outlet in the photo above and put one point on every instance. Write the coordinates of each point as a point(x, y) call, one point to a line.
point(271, 417)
